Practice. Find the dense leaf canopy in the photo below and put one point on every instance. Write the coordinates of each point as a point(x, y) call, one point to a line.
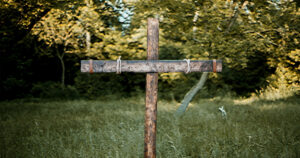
point(258, 42)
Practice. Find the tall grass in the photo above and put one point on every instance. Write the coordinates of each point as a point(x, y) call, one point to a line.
point(115, 128)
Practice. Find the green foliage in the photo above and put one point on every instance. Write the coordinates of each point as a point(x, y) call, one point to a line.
point(20, 58)
point(53, 90)
point(56, 29)
point(115, 128)
point(12, 88)
point(253, 39)
point(258, 42)
point(95, 86)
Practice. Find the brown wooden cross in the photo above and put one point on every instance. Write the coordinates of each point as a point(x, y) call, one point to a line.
point(151, 66)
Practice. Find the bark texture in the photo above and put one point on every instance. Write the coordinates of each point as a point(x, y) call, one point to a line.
point(189, 96)
point(151, 91)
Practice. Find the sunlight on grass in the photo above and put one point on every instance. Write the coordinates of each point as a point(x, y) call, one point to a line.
point(115, 128)
point(245, 101)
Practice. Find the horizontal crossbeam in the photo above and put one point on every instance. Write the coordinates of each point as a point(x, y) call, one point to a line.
point(146, 66)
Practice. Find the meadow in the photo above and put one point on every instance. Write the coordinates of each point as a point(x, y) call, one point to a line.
point(115, 128)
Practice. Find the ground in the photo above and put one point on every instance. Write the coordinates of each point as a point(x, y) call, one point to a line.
point(115, 128)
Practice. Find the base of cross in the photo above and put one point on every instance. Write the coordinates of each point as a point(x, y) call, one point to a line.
point(152, 67)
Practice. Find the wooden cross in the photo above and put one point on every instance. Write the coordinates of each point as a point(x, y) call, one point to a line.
point(151, 66)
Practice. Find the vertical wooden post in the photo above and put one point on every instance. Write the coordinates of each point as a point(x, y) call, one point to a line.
point(151, 90)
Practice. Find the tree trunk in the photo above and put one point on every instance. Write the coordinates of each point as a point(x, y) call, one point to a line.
point(61, 59)
point(62, 73)
point(189, 96)
point(235, 15)
point(193, 91)
point(88, 3)
point(88, 41)
point(194, 21)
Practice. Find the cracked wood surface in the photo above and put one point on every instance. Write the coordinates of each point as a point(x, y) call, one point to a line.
point(151, 90)
point(145, 66)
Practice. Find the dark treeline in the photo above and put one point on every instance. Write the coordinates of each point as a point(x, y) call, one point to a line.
point(42, 43)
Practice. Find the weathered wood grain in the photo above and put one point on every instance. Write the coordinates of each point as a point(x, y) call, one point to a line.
point(151, 91)
point(145, 66)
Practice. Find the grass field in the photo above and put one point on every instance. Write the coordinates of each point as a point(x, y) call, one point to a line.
point(115, 128)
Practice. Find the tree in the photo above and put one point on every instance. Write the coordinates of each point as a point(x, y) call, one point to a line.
point(56, 29)
point(280, 28)
point(243, 34)
point(89, 29)
point(77, 28)
point(17, 45)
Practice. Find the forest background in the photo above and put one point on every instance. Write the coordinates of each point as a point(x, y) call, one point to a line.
point(43, 41)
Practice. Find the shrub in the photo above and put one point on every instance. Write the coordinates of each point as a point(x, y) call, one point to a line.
point(102, 85)
point(13, 88)
point(51, 90)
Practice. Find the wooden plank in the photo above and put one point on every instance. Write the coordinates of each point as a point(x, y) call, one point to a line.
point(144, 66)
point(151, 90)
